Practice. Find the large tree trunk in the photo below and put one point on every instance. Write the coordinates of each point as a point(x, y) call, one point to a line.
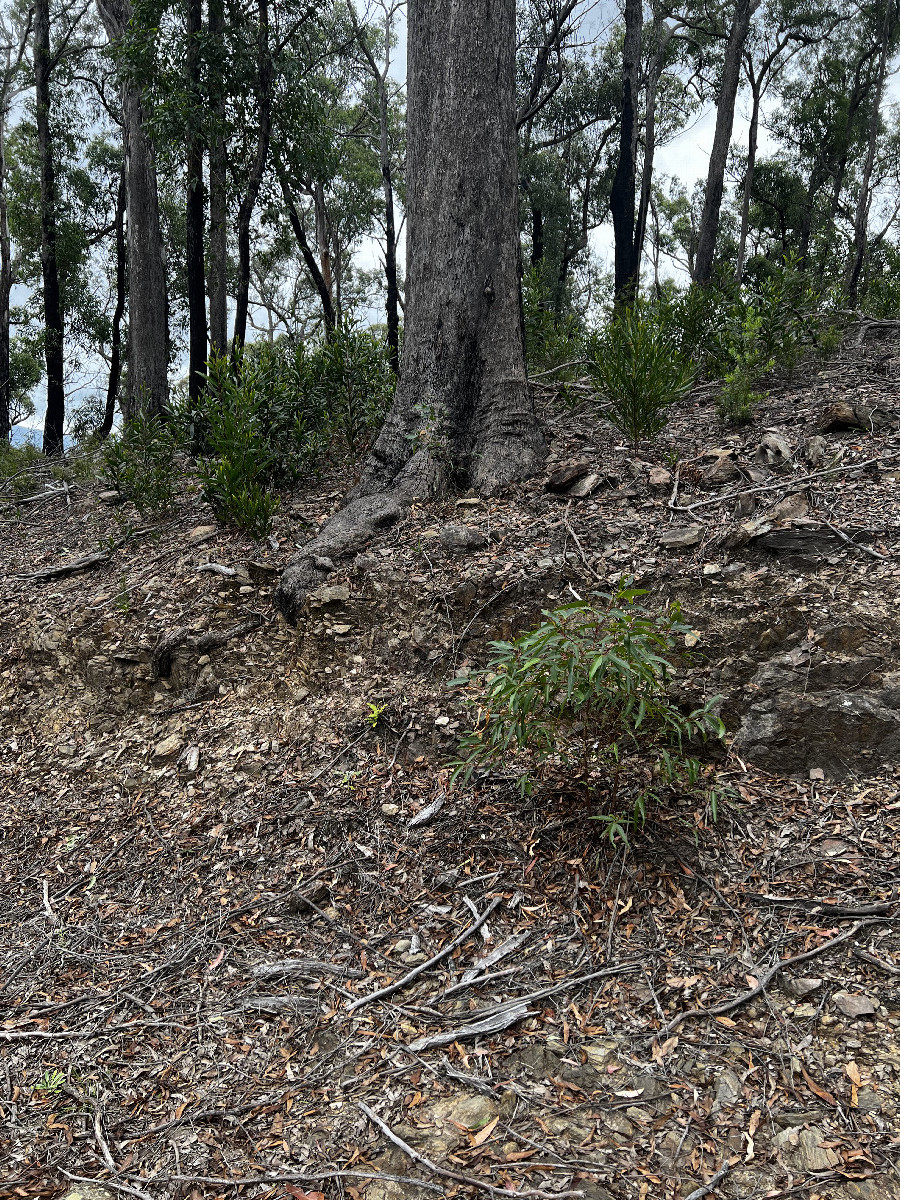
point(462, 411)
point(715, 178)
point(5, 289)
point(255, 178)
point(218, 198)
point(53, 316)
point(148, 330)
point(621, 199)
point(115, 358)
point(195, 211)
point(392, 296)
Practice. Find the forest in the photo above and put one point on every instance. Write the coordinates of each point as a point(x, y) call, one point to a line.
point(449, 577)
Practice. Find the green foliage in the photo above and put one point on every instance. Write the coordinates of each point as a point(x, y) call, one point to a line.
point(639, 372)
point(19, 468)
point(551, 338)
point(350, 382)
point(140, 462)
point(235, 475)
point(748, 365)
point(582, 701)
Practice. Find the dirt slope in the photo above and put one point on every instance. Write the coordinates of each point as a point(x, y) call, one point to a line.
point(177, 824)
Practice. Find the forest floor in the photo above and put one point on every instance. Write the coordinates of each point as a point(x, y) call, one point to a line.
point(210, 856)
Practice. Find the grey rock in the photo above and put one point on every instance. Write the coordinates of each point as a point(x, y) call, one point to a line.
point(723, 468)
point(168, 749)
point(774, 451)
point(338, 594)
point(462, 537)
point(585, 486)
point(841, 416)
point(868, 1100)
point(681, 537)
point(851, 1005)
point(802, 987)
point(814, 451)
point(728, 1090)
point(794, 1120)
point(567, 473)
point(660, 479)
point(110, 497)
point(803, 1150)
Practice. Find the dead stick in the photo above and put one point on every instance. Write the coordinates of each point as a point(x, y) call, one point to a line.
point(457, 1176)
point(784, 483)
point(290, 1177)
point(707, 1187)
point(856, 545)
point(887, 967)
point(439, 957)
point(730, 1005)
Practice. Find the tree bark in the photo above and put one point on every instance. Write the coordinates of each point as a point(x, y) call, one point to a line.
point(309, 258)
point(218, 197)
point(195, 212)
point(392, 290)
point(254, 181)
point(715, 178)
point(53, 314)
point(753, 137)
point(462, 412)
point(622, 198)
point(148, 330)
point(5, 289)
point(115, 358)
point(861, 221)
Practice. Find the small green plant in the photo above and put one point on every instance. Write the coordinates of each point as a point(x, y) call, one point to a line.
point(582, 703)
point(140, 462)
point(375, 712)
point(750, 362)
point(638, 372)
point(51, 1083)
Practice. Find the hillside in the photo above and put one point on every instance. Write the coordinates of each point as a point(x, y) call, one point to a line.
point(210, 852)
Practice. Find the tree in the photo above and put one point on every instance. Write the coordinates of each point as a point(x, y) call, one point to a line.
point(462, 412)
point(195, 208)
point(727, 96)
point(148, 328)
point(622, 197)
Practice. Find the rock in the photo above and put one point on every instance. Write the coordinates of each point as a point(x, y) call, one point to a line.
point(341, 630)
point(816, 775)
point(723, 469)
point(600, 1054)
point(814, 452)
point(462, 537)
point(811, 539)
point(660, 479)
point(339, 594)
point(803, 1150)
point(567, 473)
point(584, 486)
point(110, 497)
point(868, 1100)
point(168, 749)
point(261, 572)
point(402, 946)
point(802, 986)
point(728, 1091)
point(201, 533)
point(852, 1005)
point(390, 810)
point(774, 451)
point(191, 761)
point(681, 537)
point(619, 1124)
point(711, 569)
point(88, 1191)
point(794, 1120)
point(841, 416)
point(746, 504)
point(691, 640)
point(790, 508)
point(323, 564)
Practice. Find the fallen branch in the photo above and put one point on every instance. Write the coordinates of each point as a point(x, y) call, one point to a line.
point(107, 1183)
point(456, 1176)
point(821, 908)
point(888, 968)
point(706, 1188)
point(52, 494)
point(465, 1033)
point(628, 965)
point(727, 1006)
point(70, 568)
point(856, 545)
point(218, 569)
point(288, 1177)
point(439, 957)
point(789, 482)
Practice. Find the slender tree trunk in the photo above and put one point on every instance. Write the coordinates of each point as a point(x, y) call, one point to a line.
point(5, 290)
point(661, 37)
point(621, 200)
point(148, 329)
point(309, 259)
point(218, 198)
point(196, 284)
point(257, 170)
point(115, 358)
point(392, 306)
point(53, 315)
point(861, 222)
point(748, 181)
point(462, 412)
point(715, 178)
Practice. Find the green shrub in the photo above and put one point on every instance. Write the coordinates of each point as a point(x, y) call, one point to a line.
point(639, 373)
point(551, 338)
point(140, 463)
point(20, 468)
point(749, 364)
point(234, 477)
point(582, 701)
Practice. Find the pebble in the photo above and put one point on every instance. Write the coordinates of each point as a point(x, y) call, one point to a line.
point(390, 810)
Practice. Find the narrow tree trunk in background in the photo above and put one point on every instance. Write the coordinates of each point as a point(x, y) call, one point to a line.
point(861, 222)
point(392, 298)
point(196, 284)
point(621, 200)
point(462, 411)
point(148, 330)
point(115, 358)
point(218, 198)
point(309, 258)
point(715, 178)
point(5, 289)
point(53, 316)
point(661, 37)
point(748, 183)
point(257, 169)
